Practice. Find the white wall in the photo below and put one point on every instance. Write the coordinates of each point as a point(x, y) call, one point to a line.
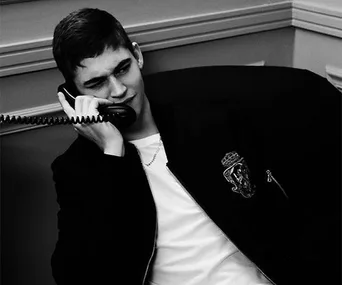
point(318, 37)
point(274, 48)
point(315, 51)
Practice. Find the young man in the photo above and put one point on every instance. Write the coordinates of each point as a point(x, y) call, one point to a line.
point(148, 204)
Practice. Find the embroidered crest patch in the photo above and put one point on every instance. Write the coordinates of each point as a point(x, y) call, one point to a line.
point(237, 173)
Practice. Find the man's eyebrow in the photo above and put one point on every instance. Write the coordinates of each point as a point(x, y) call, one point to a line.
point(94, 80)
point(116, 69)
point(122, 64)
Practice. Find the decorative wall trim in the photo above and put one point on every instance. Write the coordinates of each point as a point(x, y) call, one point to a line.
point(212, 26)
point(317, 17)
point(54, 109)
point(334, 75)
point(37, 55)
point(26, 57)
point(36, 111)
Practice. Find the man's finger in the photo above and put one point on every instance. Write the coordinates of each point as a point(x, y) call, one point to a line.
point(65, 105)
point(96, 103)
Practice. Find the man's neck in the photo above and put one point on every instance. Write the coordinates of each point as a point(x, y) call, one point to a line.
point(143, 128)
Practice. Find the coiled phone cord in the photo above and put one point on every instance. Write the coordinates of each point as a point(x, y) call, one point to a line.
point(40, 120)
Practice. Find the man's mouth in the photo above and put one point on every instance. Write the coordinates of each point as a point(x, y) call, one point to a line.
point(128, 100)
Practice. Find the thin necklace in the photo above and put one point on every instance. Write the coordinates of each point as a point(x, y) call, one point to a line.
point(155, 154)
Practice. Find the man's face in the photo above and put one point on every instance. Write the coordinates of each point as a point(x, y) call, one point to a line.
point(114, 75)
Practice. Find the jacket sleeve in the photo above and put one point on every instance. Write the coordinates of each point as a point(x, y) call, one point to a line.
point(91, 191)
point(317, 202)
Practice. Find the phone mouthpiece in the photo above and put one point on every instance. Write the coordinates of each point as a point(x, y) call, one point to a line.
point(120, 115)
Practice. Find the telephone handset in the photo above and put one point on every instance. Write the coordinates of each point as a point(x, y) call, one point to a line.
point(120, 115)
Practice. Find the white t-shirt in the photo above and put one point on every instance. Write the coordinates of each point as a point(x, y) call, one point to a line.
point(191, 249)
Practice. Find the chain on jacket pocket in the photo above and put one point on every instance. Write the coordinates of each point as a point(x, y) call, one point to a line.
point(270, 179)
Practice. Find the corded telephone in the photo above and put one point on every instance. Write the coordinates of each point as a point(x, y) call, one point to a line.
point(120, 115)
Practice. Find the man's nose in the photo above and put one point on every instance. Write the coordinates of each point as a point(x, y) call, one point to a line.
point(117, 89)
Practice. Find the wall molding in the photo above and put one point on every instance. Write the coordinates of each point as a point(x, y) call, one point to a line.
point(37, 55)
point(317, 17)
point(26, 57)
point(48, 110)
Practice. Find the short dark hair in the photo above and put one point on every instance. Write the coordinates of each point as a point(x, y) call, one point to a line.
point(83, 34)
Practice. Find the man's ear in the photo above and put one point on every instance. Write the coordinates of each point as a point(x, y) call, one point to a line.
point(138, 54)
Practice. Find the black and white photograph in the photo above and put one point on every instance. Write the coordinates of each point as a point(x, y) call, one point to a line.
point(181, 142)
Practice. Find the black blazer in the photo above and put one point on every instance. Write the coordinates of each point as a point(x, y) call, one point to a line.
point(282, 120)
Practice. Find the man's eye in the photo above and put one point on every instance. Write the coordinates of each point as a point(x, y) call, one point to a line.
point(123, 69)
point(96, 85)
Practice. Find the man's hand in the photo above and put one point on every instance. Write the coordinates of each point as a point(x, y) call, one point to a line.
point(105, 135)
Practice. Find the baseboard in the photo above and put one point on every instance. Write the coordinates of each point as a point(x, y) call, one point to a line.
point(37, 55)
